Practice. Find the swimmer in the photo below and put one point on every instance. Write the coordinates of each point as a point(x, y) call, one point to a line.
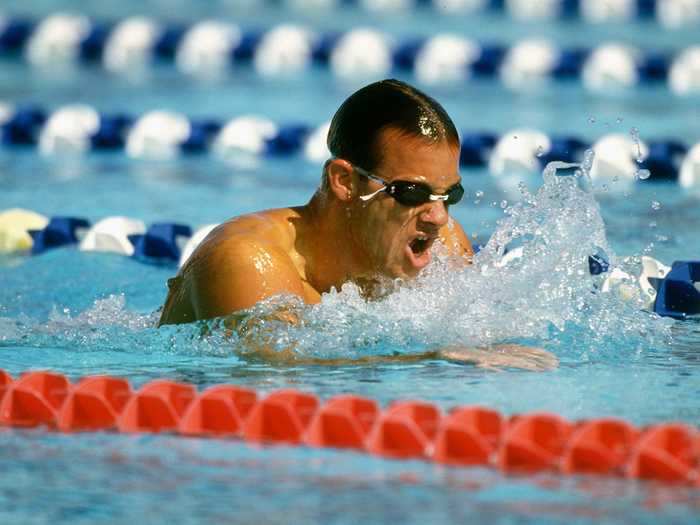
point(382, 203)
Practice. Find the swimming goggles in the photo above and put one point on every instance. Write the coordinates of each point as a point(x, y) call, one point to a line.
point(411, 193)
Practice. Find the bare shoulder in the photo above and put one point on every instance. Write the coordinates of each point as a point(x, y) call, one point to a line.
point(274, 227)
point(456, 240)
point(241, 262)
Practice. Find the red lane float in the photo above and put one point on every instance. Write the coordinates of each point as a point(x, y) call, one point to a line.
point(33, 400)
point(471, 435)
point(534, 442)
point(218, 411)
point(667, 452)
point(343, 422)
point(600, 446)
point(405, 430)
point(157, 407)
point(282, 417)
point(93, 404)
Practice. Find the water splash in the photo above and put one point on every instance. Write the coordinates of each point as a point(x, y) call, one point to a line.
point(545, 295)
point(108, 326)
point(530, 283)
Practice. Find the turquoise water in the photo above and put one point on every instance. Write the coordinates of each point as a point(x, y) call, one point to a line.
point(87, 313)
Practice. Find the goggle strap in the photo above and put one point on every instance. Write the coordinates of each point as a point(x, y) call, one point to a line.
point(439, 197)
point(369, 196)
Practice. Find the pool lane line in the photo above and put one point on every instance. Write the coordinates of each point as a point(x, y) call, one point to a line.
point(210, 48)
point(524, 444)
point(77, 129)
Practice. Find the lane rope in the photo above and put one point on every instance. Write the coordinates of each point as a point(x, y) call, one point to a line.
point(78, 129)
point(670, 291)
point(211, 47)
point(408, 429)
point(670, 14)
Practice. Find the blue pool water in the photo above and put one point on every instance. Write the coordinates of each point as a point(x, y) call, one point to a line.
point(89, 313)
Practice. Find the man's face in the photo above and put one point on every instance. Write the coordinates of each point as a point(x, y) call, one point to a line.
point(396, 238)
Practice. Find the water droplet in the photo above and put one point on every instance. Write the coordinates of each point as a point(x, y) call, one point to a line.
point(652, 224)
point(494, 204)
point(504, 204)
point(479, 195)
point(588, 157)
point(604, 187)
point(615, 178)
point(591, 120)
point(539, 151)
point(634, 133)
point(655, 205)
point(619, 120)
point(642, 174)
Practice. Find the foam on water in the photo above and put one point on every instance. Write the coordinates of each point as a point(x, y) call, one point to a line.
point(546, 296)
point(109, 326)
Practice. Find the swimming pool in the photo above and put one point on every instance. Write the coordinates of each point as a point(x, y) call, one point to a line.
point(86, 313)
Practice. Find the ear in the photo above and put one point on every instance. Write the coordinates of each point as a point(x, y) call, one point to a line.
point(339, 174)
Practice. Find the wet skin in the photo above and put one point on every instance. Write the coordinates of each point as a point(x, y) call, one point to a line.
point(337, 237)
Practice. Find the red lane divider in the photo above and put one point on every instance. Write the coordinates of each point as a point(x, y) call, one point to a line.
point(667, 452)
point(33, 400)
point(5, 381)
point(282, 417)
point(600, 446)
point(405, 430)
point(343, 422)
point(469, 435)
point(157, 407)
point(94, 404)
point(534, 442)
point(218, 411)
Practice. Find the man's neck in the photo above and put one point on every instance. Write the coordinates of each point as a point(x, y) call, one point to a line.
point(332, 257)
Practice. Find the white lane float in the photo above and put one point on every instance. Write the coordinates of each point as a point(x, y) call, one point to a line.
point(206, 48)
point(111, 234)
point(68, 130)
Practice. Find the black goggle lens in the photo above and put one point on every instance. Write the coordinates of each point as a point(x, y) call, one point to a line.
point(415, 194)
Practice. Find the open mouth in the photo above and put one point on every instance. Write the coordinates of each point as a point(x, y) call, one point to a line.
point(418, 251)
point(419, 245)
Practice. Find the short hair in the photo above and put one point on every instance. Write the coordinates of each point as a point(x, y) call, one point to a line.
point(356, 126)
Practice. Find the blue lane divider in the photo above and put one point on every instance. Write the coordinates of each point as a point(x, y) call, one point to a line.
point(677, 294)
point(669, 15)
point(60, 231)
point(160, 241)
point(583, 10)
point(53, 132)
point(272, 51)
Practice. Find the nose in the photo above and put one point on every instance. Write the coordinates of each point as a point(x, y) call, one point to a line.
point(435, 213)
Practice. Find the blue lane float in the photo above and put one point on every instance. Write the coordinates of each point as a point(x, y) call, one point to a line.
point(678, 294)
point(668, 291)
point(669, 14)
point(79, 129)
point(211, 47)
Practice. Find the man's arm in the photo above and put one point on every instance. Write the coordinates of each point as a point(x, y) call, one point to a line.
point(239, 273)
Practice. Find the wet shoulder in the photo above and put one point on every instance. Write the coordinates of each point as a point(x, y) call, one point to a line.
point(274, 229)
